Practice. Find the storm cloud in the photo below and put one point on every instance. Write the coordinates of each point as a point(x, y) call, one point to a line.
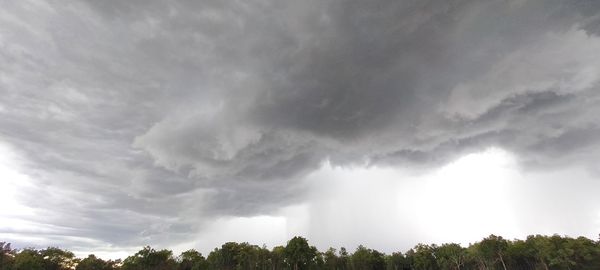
point(142, 121)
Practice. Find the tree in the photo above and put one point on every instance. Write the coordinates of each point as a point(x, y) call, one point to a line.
point(318, 262)
point(492, 249)
point(521, 255)
point(377, 260)
point(492, 253)
point(7, 255)
point(93, 263)
point(586, 253)
point(367, 259)
point(215, 259)
point(264, 258)
point(450, 256)
point(422, 257)
point(539, 247)
point(57, 259)
point(247, 256)
point(298, 254)
point(28, 259)
point(344, 259)
point(278, 258)
point(192, 260)
point(226, 257)
point(330, 259)
point(397, 261)
point(150, 259)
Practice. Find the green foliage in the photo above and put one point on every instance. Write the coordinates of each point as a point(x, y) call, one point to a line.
point(94, 263)
point(537, 252)
point(450, 256)
point(422, 257)
point(245, 256)
point(298, 254)
point(277, 258)
point(192, 260)
point(521, 255)
point(367, 259)
point(6, 256)
point(29, 259)
point(331, 260)
point(58, 259)
point(150, 259)
point(397, 261)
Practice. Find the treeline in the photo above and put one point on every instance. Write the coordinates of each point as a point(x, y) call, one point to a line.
point(494, 252)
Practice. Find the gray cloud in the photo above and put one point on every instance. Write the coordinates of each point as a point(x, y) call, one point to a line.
point(138, 119)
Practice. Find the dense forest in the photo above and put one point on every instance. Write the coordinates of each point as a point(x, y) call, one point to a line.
point(493, 252)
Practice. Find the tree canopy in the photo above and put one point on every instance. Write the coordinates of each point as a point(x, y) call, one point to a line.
point(536, 252)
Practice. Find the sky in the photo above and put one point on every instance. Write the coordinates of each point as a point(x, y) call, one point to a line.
point(187, 124)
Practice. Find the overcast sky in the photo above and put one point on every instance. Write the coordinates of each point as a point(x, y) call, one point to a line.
point(186, 124)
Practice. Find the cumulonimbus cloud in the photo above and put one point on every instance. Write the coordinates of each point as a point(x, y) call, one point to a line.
point(220, 107)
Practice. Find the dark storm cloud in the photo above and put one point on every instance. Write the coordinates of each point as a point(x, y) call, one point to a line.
point(169, 113)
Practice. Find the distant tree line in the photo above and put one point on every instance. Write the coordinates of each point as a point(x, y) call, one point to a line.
point(537, 252)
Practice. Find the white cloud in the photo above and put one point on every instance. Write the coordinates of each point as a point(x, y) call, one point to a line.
point(12, 183)
point(469, 198)
point(476, 195)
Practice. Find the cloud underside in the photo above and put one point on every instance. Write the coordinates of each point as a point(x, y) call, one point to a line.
point(170, 113)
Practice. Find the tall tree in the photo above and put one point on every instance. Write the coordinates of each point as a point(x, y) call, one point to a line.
point(397, 261)
point(539, 247)
point(264, 258)
point(492, 249)
point(278, 258)
point(298, 254)
point(344, 259)
point(586, 253)
point(367, 259)
point(247, 256)
point(318, 262)
point(28, 259)
point(150, 259)
point(331, 259)
point(57, 259)
point(191, 260)
point(91, 262)
point(450, 256)
point(521, 255)
point(6, 256)
point(423, 257)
